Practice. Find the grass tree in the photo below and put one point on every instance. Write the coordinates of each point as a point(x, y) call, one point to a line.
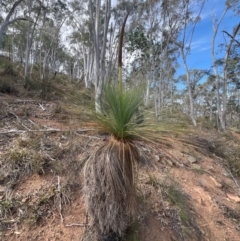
point(109, 173)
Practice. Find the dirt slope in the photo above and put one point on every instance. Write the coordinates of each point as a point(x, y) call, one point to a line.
point(191, 193)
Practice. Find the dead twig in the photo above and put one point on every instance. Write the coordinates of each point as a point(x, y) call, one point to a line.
point(93, 137)
point(60, 200)
point(19, 120)
point(41, 107)
point(32, 122)
point(77, 224)
point(20, 101)
point(48, 156)
point(15, 101)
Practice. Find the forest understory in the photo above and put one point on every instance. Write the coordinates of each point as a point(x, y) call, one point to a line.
point(191, 192)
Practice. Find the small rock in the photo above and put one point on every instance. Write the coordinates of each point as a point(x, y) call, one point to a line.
point(156, 158)
point(177, 164)
point(196, 166)
point(234, 198)
point(24, 200)
point(192, 159)
point(220, 222)
point(226, 174)
point(203, 203)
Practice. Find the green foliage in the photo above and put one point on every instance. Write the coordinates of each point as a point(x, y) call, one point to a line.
point(9, 74)
point(133, 232)
point(120, 112)
point(153, 180)
point(228, 147)
point(8, 87)
point(9, 69)
point(205, 122)
point(138, 40)
point(123, 117)
point(32, 84)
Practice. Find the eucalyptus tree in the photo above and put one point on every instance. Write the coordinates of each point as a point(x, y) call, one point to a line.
point(26, 35)
point(158, 38)
point(182, 17)
point(34, 15)
point(154, 54)
point(18, 40)
point(140, 45)
point(228, 69)
point(233, 66)
point(28, 41)
point(90, 37)
point(195, 77)
point(225, 75)
point(9, 19)
point(229, 4)
point(207, 91)
point(201, 99)
point(51, 31)
point(100, 42)
point(81, 41)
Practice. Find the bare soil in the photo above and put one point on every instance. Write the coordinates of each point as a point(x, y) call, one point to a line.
point(191, 193)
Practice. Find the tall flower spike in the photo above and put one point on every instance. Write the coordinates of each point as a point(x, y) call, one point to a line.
point(120, 45)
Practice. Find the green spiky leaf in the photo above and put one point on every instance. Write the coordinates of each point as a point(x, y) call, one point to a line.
point(120, 114)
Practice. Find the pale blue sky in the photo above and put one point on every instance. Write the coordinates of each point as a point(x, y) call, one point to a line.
point(200, 57)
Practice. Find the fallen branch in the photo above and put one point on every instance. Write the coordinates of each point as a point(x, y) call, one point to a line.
point(23, 131)
point(14, 116)
point(15, 101)
point(49, 130)
point(8, 221)
point(19, 101)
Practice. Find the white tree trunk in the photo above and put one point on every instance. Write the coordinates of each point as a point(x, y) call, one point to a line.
point(88, 61)
point(99, 54)
point(7, 21)
point(28, 42)
point(215, 31)
point(147, 96)
point(190, 95)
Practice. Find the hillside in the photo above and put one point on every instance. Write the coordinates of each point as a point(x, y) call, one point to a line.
point(191, 192)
